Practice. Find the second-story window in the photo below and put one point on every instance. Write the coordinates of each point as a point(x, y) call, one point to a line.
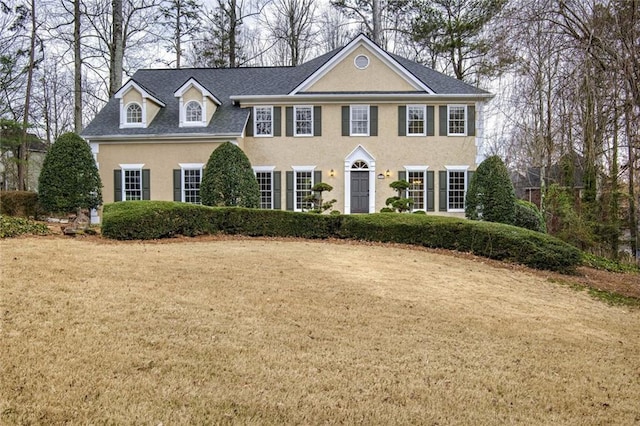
point(263, 121)
point(457, 120)
point(134, 113)
point(193, 112)
point(303, 120)
point(416, 120)
point(359, 120)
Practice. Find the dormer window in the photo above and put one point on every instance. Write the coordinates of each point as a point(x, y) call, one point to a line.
point(138, 107)
point(134, 113)
point(193, 112)
point(197, 104)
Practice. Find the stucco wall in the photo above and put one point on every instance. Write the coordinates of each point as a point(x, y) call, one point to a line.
point(346, 77)
point(329, 151)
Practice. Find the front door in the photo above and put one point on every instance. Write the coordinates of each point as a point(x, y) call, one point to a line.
point(359, 192)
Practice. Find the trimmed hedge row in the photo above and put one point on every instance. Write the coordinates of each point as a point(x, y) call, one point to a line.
point(20, 203)
point(160, 219)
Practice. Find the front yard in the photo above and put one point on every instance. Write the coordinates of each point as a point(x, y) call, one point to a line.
point(222, 330)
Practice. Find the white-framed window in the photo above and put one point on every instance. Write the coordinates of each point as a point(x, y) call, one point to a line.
point(193, 112)
point(456, 188)
point(359, 120)
point(361, 62)
point(191, 176)
point(131, 181)
point(457, 120)
point(264, 176)
point(302, 184)
point(416, 120)
point(263, 121)
point(133, 114)
point(303, 120)
point(417, 190)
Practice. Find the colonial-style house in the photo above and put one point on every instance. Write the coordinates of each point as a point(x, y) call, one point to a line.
point(356, 118)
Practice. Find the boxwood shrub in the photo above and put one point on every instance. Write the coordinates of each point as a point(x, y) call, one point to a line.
point(162, 219)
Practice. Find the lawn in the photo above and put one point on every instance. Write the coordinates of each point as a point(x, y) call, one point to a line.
point(239, 330)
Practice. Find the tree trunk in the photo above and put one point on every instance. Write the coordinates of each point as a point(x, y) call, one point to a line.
point(178, 34)
point(233, 28)
point(77, 69)
point(24, 145)
point(376, 34)
point(116, 49)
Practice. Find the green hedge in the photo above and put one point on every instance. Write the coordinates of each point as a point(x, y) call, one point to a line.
point(20, 203)
point(161, 219)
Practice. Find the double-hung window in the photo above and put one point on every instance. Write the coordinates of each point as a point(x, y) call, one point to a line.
point(264, 176)
point(131, 183)
point(263, 121)
point(457, 120)
point(416, 120)
point(417, 188)
point(191, 178)
point(303, 123)
point(359, 120)
point(303, 182)
point(456, 189)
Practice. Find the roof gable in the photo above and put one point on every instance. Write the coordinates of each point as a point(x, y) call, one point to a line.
point(192, 82)
point(364, 44)
point(132, 85)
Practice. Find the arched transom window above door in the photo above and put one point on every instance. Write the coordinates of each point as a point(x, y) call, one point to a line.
point(360, 165)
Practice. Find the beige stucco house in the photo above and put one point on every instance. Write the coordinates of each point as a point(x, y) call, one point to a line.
point(357, 118)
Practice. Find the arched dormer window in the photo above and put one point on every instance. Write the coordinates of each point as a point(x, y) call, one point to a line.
point(193, 112)
point(134, 113)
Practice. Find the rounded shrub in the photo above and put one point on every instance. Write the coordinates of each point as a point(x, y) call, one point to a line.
point(528, 216)
point(69, 179)
point(228, 179)
point(491, 196)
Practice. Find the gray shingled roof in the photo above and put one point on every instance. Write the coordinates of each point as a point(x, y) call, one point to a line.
point(226, 82)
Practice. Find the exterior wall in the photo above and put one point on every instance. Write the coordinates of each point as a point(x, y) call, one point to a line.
point(160, 158)
point(134, 96)
point(345, 77)
point(329, 151)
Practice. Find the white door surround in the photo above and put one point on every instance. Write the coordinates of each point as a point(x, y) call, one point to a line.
point(359, 154)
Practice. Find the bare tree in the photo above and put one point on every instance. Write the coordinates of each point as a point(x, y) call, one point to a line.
point(290, 24)
point(182, 19)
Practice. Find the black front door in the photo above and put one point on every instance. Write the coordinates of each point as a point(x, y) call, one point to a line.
point(359, 192)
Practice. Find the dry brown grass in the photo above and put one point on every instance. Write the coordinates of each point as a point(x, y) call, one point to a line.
point(256, 331)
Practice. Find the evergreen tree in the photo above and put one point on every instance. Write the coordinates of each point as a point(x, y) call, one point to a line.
point(228, 179)
point(69, 178)
point(491, 196)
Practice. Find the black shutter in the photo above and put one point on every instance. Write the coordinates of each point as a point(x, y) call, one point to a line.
point(402, 175)
point(289, 121)
point(471, 120)
point(177, 185)
point(469, 177)
point(373, 121)
point(317, 176)
point(317, 121)
point(289, 190)
point(277, 191)
point(442, 186)
point(345, 121)
point(443, 121)
point(277, 121)
point(430, 121)
point(249, 130)
point(430, 191)
point(402, 120)
point(146, 184)
point(117, 185)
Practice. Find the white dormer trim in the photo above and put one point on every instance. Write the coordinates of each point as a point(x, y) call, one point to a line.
point(192, 82)
point(120, 94)
point(376, 51)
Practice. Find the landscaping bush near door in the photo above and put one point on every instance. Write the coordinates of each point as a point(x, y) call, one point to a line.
point(162, 219)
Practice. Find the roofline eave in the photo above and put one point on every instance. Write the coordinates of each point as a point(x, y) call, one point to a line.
point(360, 97)
point(155, 137)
